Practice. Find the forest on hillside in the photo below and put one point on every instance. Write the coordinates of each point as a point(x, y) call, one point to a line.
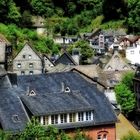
point(66, 17)
point(79, 13)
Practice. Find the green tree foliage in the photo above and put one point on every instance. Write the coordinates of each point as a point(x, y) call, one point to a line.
point(127, 80)
point(114, 9)
point(26, 19)
point(124, 94)
point(42, 7)
point(85, 50)
point(9, 12)
point(131, 136)
point(133, 16)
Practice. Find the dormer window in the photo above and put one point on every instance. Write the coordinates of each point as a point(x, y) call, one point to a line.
point(15, 118)
point(67, 89)
point(124, 67)
point(32, 93)
point(109, 67)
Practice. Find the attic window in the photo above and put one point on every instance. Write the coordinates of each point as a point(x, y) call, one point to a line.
point(15, 118)
point(109, 67)
point(32, 93)
point(124, 67)
point(67, 89)
point(30, 56)
point(24, 56)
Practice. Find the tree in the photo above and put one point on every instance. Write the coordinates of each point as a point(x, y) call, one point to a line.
point(124, 93)
point(125, 98)
point(9, 12)
point(133, 16)
point(114, 9)
point(42, 7)
point(85, 50)
point(26, 19)
point(127, 79)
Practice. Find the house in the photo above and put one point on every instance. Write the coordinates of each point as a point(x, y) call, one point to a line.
point(64, 39)
point(113, 72)
point(133, 54)
point(5, 51)
point(47, 63)
point(64, 100)
point(68, 105)
point(39, 24)
point(65, 59)
point(27, 62)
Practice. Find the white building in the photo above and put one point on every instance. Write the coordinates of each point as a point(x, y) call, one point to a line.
point(133, 54)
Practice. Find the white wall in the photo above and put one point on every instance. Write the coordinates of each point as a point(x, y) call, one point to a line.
point(133, 54)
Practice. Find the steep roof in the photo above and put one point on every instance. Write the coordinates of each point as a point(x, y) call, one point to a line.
point(12, 114)
point(4, 40)
point(116, 63)
point(87, 94)
point(29, 45)
point(65, 59)
point(124, 127)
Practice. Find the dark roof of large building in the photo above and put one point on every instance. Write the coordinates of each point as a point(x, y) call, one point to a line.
point(87, 94)
point(65, 59)
point(53, 93)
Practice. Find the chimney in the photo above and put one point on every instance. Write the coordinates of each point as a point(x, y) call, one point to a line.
point(62, 87)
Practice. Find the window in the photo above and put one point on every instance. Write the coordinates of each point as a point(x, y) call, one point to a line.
point(99, 137)
point(54, 119)
point(105, 137)
point(72, 117)
point(22, 72)
point(31, 65)
point(88, 116)
point(19, 65)
point(102, 135)
point(24, 56)
point(63, 118)
point(109, 67)
point(32, 93)
point(31, 72)
point(67, 89)
point(132, 52)
point(45, 120)
point(15, 118)
point(80, 116)
point(30, 56)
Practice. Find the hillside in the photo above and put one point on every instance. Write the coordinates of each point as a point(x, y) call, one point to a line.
point(65, 17)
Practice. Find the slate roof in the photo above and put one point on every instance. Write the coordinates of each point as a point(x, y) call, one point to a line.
point(87, 94)
point(65, 59)
point(12, 114)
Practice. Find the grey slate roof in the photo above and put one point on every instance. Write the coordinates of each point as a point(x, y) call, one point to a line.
point(12, 114)
point(51, 99)
point(65, 59)
point(88, 95)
